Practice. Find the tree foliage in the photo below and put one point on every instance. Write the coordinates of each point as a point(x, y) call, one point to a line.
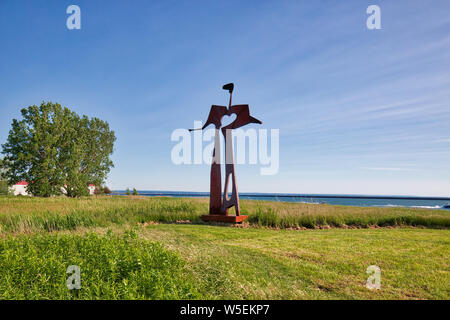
point(4, 188)
point(102, 190)
point(107, 190)
point(3, 183)
point(52, 147)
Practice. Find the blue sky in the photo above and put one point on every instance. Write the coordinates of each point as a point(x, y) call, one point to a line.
point(359, 111)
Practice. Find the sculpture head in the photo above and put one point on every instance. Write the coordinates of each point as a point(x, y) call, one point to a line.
point(229, 87)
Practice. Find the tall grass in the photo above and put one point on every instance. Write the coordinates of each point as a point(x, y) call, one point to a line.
point(314, 216)
point(112, 267)
point(25, 215)
point(22, 215)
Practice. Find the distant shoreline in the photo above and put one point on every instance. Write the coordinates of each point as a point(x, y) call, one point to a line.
point(284, 195)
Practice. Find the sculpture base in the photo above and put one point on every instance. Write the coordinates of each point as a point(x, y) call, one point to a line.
point(223, 218)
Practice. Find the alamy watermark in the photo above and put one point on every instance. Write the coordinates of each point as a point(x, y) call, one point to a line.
point(74, 280)
point(74, 20)
point(374, 280)
point(197, 147)
point(374, 20)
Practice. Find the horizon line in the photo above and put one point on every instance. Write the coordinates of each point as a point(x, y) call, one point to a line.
point(296, 195)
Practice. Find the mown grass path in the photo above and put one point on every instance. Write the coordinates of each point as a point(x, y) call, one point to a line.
point(312, 264)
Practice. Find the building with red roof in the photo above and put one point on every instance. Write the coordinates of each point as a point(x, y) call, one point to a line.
point(91, 189)
point(20, 189)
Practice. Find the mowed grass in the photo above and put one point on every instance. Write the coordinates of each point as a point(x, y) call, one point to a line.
point(20, 215)
point(133, 248)
point(237, 263)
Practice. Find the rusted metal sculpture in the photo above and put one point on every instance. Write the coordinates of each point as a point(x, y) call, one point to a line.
point(218, 206)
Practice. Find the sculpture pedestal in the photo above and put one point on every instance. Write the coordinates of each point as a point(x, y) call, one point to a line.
point(223, 218)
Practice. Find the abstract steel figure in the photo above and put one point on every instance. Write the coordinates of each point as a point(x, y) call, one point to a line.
point(218, 207)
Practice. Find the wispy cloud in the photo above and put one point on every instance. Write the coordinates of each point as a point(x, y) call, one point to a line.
point(443, 140)
point(387, 169)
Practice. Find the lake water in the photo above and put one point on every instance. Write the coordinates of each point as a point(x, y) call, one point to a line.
point(347, 200)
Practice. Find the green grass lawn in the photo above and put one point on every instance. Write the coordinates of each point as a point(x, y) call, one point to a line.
point(133, 248)
point(311, 264)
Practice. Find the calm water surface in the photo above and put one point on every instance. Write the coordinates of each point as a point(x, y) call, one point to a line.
point(347, 200)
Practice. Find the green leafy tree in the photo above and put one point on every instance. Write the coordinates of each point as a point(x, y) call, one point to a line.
point(4, 188)
point(128, 192)
point(102, 190)
point(99, 191)
point(53, 147)
point(3, 183)
point(135, 192)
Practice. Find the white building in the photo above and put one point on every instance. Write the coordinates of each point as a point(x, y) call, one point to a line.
point(20, 189)
point(91, 189)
